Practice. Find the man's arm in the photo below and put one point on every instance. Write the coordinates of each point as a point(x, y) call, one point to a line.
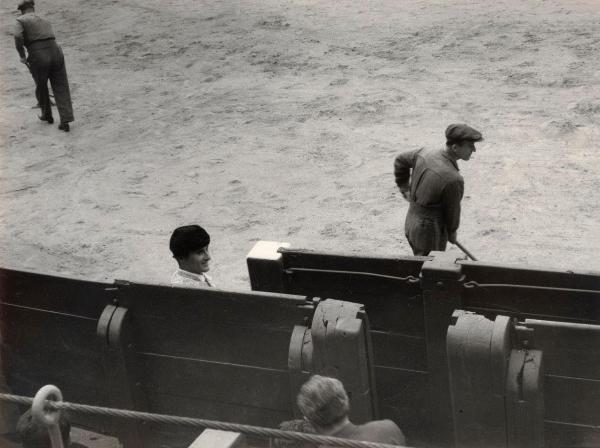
point(19, 34)
point(402, 166)
point(451, 197)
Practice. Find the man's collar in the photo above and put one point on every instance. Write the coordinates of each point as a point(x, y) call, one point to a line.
point(447, 156)
point(191, 275)
point(337, 428)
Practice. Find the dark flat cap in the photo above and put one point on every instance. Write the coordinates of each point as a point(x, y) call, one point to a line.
point(24, 4)
point(459, 132)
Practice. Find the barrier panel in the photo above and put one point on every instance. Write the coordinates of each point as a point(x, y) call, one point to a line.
point(409, 320)
point(203, 353)
point(48, 328)
point(571, 381)
point(241, 356)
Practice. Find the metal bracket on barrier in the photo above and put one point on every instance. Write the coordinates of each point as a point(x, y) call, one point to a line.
point(496, 383)
point(337, 345)
point(114, 328)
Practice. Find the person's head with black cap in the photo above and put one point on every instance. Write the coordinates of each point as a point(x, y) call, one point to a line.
point(460, 141)
point(189, 245)
point(25, 6)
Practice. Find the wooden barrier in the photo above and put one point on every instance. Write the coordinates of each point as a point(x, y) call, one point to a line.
point(48, 329)
point(409, 322)
point(202, 353)
point(230, 355)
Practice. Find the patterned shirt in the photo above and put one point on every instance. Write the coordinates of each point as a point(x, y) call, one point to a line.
point(191, 280)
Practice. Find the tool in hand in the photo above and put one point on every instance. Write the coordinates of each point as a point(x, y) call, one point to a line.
point(464, 249)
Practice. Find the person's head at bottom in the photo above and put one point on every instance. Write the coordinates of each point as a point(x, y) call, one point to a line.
point(324, 402)
point(34, 434)
point(189, 245)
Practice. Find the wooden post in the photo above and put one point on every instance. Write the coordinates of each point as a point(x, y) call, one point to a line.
point(441, 284)
point(265, 266)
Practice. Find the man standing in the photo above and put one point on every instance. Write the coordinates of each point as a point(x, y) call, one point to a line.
point(189, 245)
point(46, 62)
point(430, 181)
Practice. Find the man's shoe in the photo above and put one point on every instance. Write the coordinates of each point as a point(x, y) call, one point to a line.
point(64, 127)
point(49, 120)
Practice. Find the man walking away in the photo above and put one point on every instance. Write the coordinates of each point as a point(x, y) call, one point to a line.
point(430, 181)
point(46, 62)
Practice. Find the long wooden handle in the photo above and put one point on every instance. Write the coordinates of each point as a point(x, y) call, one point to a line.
point(464, 249)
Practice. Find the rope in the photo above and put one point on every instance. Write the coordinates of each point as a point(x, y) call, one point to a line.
point(265, 433)
point(408, 279)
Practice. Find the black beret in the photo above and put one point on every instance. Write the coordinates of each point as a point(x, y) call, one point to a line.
point(187, 239)
point(458, 132)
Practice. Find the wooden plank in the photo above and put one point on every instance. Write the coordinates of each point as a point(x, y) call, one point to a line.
point(237, 308)
point(40, 346)
point(164, 403)
point(560, 435)
point(570, 350)
point(572, 400)
point(217, 341)
point(400, 266)
point(527, 275)
point(42, 331)
point(391, 305)
point(399, 350)
point(538, 304)
point(205, 380)
point(72, 374)
point(77, 297)
point(403, 398)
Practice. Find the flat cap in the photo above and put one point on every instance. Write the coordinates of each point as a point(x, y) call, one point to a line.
point(459, 132)
point(23, 4)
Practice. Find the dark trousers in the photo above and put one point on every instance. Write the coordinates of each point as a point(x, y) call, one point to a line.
point(425, 229)
point(47, 63)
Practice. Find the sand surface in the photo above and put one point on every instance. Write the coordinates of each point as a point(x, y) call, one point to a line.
point(280, 121)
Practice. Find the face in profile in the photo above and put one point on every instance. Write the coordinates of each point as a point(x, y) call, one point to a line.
point(464, 149)
point(196, 261)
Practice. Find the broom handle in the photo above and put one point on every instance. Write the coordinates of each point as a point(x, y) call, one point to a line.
point(464, 249)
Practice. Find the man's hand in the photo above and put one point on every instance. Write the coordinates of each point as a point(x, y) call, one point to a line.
point(24, 61)
point(452, 237)
point(405, 191)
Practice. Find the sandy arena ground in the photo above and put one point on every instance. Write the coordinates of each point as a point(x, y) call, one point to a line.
point(280, 120)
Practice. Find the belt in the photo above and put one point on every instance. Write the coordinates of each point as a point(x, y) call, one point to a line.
point(39, 44)
point(421, 210)
point(41, 40)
